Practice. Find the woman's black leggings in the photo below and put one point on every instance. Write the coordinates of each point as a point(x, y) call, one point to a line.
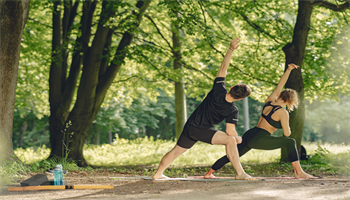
point(257, 138)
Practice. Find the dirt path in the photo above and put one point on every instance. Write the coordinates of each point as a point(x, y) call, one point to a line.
point(132, 188)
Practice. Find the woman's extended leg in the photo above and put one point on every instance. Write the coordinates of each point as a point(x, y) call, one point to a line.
point(299, 172)
point(265, 141)
point(268, 142)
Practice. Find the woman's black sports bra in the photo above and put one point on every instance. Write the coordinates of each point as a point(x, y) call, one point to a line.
point(276, 124)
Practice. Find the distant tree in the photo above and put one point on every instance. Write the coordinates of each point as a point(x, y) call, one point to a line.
point(13, 15)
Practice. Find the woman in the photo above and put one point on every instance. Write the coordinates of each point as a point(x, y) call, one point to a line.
point(273, 117)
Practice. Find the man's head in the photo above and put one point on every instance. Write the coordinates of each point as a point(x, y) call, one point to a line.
point(240, 91)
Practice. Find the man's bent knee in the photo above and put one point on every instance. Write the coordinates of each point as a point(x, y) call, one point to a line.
point(231, 140)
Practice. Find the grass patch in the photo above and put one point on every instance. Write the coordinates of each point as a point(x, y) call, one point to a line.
point(11, 172)
point(142, 156)
point(43, 165)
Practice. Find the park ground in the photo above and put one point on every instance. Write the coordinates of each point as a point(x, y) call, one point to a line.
point(133, 186)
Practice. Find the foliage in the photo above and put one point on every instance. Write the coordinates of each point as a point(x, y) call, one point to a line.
point(158, 121)
point(29, 131)
point(43, 165)
point(32, 82)
point(139, 119)
point(11, 171)
point(331, 162)
point(328, 121)
point(207, 27)
point(29, 155)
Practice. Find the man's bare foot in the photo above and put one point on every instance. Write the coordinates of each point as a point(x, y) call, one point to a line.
point(245, 176)
point(303, 175)
point(209, 174)
point(160, 177)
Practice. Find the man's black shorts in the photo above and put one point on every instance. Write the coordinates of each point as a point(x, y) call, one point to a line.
point(190, 135)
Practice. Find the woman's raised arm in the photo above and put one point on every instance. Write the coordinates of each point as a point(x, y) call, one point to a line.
point(274, 95)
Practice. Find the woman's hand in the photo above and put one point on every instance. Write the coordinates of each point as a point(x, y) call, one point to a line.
point(292, 66)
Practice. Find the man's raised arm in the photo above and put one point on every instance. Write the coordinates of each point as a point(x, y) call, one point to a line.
point(225, 63)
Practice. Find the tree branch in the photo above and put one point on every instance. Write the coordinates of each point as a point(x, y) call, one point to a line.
point(158, 30)
point(121, 53)
point(332, 6)
point(211, 17)
point(200, 71)
point(200, 4)
point(155, 67)
point(244, 73)
point(41, 23)
point(258, 28)
point(165, 51)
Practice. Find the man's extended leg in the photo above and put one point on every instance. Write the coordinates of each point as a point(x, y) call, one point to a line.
point(242, 149)
point(232, 153)
point(167, 160)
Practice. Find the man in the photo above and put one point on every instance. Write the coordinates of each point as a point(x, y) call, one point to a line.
point(217, 106)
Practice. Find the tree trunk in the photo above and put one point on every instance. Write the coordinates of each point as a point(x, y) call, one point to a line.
point(13, 15)
point(180, 96)
point(110, 137)
point(295, 53)
point(95, 79)
point(21, 134)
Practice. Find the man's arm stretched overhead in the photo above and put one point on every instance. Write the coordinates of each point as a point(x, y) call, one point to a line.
point(225, 63)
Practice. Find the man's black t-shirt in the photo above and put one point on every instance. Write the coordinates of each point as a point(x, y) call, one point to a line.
point(214, 108)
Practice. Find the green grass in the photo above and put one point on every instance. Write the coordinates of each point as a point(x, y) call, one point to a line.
point(142, 156)
point(11, 171)
point(145, 151)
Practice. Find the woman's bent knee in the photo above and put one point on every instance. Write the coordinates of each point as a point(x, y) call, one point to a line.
point(291, 141)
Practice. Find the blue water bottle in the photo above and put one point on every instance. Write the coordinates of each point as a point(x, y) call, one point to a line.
point(58, 176)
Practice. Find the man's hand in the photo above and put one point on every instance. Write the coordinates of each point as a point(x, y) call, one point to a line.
point(238, 139)
point(234, 43)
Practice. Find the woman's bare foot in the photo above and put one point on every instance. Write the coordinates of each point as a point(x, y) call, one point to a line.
point(245, 176)
point(303, 175)
point(209, 174)
point(160, 177)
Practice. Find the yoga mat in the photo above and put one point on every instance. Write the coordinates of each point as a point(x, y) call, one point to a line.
point(219, 178)
point(199, 178)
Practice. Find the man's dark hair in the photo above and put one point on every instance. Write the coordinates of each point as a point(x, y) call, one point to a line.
point(240, 91)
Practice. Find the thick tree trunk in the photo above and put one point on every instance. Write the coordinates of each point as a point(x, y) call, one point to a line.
point(295, 53)
point(95, 80)
point(180, 96)
point(13, 15)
